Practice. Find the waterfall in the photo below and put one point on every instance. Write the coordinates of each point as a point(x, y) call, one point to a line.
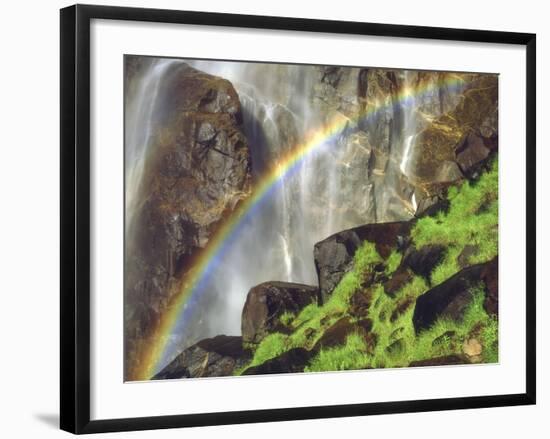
point(141, 115)
point(409, 125)
point(330, 190)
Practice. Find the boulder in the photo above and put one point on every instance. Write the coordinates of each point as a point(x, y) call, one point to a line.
point(472, 154)
point(266, 302)
point(489, 275)
point(211, 357)
point(446, 360)
point(337, 334)
point(359, 304)
point(196, 171)
point(334, 255)
point(291, 361)
point(430, 206)
point(451, 298)
point(436, 160)
point(423, 260)
point(448, 172)
point(398, 280)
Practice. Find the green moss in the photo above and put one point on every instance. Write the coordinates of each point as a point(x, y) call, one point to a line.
point(366, 257)
point(489, 340)
point(472, 219)
point(349, 356)
point(393, 261)
point(270, 347)
point(435, 341)
point(286, 318)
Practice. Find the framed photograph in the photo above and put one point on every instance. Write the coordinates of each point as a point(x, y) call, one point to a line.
point(268, 218)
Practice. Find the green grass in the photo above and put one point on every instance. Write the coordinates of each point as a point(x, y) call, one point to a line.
point(472, 219)
point(270, 347)
point(351, 355)
point(407, 345)
point(286, 318)
point(393, 261)
point(366, 257)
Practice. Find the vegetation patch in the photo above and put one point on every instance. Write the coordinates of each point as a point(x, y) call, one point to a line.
point(471, 220)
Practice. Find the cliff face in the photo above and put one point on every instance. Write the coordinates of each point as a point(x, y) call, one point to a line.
point(451, 129)
point(422, 292)
point(406, 191)
point(196, 171)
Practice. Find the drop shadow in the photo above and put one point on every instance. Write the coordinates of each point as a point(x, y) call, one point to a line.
point(49, 419)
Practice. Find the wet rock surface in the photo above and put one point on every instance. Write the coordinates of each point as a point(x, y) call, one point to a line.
point(292, 361)
point(334, 256)
point(337, 334)
point(198, 170)
point(451, 298)
point(267, 302)
point(211, 357)
point(446, 360)
point(423, 260)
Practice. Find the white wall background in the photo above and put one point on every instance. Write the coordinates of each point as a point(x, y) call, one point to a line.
point(29, 248)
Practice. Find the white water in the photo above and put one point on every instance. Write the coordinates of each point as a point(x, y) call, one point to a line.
point(409, 126)
point(139, 129)
point(279, 109)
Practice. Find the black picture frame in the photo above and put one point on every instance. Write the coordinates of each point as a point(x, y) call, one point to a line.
point(75, 217)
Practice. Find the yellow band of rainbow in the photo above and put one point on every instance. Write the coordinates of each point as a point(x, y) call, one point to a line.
point(209, 258)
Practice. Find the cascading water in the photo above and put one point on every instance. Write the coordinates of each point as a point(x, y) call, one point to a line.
point(409, 126)
point(141, 115)
point(310, 204)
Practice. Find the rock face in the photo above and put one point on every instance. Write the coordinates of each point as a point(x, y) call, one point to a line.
point(334, 256)
point(197, 170)
point(446, 360)
point(455, 143)
point(422, 261)
point(489, 276)
point(291, 361)
point(266, 302)
point(211, 357)
point(472, 154)
point(337, 334)
point(451, 298)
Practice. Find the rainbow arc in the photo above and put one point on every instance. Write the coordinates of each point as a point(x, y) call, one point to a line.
point(210, 257)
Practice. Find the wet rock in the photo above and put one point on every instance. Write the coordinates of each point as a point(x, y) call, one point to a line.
point(423, 260)
point(359, 304)
point(471, 155)
point(448, 172)
point(489, 275)
point(401, 307)
point(451, 298)
point(431, 206)
point(446, 360)
point(266, 302)
point(337, 334)
point(337, 90)
point(398, 280)
point(291, 361)
point(334, 255)
point(197, 170)
point(437, 142)
point(211, 357)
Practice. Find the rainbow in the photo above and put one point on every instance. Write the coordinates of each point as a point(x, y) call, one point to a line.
point(211, 256)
